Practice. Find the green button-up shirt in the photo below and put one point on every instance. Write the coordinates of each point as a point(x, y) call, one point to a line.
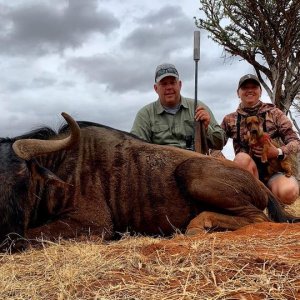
point(153, 124)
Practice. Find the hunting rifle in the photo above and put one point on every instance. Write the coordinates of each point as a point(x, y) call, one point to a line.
point(200, 142)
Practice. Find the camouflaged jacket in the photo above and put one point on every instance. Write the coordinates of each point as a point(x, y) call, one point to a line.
point(277, 124)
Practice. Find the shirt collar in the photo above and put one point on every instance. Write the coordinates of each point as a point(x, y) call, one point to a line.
point(184, 102)
point(160, 108)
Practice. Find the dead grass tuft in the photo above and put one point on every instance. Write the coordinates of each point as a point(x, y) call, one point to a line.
point(260, 261)
point(294, 208)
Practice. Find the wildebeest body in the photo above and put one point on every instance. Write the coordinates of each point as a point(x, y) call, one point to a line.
point(129, 184)
point(136, 183)
point(111, 181)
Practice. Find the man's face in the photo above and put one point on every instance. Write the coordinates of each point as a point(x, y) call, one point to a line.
point(168, 90)
point(249, 93)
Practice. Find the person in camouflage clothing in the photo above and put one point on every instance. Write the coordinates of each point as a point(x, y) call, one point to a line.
point(276, 124)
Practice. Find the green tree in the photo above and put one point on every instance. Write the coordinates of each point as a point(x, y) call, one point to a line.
point(265, 33)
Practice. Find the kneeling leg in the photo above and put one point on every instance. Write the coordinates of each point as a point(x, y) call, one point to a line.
point(206, 220)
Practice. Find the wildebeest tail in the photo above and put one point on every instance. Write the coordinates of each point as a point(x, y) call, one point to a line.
point(276, 211)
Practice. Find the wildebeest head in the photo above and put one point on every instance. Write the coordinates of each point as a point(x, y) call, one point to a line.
point(14, 176)
point(17, 164)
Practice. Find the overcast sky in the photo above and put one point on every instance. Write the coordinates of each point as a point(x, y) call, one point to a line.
point(96, 61)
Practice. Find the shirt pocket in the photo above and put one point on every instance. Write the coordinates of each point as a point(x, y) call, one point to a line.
point(159, 128)
point(161, 134)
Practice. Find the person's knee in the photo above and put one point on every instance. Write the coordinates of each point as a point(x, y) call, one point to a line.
point(245, 161)
point(287, 194)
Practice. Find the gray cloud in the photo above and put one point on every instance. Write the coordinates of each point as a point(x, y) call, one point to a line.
point(38, 29)
point(163, 31)
point(118, 73)
point(158, 36)
point(42, 82)
point(164, 16)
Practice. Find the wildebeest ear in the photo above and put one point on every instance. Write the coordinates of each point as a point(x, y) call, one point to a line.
point(45, 174)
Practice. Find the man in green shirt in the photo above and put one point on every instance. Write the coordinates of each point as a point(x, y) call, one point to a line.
point(170, 119)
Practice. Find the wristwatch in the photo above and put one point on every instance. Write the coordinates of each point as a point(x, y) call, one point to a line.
point(280, 154)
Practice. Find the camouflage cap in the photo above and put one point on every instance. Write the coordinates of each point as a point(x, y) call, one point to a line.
point(165, 70)
point(249, 77)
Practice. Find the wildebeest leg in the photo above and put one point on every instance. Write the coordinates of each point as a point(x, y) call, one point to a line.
point(89, 217)
point(206, 220)
point(231, 197)
point(67, 228)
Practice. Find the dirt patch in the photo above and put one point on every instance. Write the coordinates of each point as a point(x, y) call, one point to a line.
point(260, 261)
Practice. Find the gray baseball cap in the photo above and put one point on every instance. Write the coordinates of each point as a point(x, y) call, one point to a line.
point(165, 70)
point(249, 77)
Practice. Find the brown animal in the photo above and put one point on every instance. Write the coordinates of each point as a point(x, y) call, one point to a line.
point(257, 137)
point(99, 181)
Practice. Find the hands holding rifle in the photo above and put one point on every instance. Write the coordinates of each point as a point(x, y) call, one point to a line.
point(202, 115)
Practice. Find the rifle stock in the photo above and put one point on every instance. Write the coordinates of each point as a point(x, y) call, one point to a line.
point(200, 142)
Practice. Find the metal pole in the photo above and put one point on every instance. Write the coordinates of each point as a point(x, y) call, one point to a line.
point(196, 59)
point(200, 142)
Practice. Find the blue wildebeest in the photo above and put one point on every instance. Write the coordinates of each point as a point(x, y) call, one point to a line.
point(97, 180)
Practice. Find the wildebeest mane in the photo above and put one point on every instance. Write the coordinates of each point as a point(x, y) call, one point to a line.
point(43, 133)
point(82, 124)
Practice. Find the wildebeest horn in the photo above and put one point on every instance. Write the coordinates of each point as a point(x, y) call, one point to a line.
point(29, 148)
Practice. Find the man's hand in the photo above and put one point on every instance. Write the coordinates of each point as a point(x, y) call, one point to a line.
point(202, 115)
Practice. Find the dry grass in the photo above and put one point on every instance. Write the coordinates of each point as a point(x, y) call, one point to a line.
point(256, 262)
point(294, 208)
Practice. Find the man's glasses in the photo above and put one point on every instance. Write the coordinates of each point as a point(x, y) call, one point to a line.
point(164, 71)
